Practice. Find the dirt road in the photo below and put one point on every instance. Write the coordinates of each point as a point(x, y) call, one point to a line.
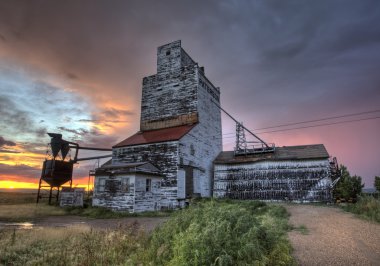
point(334, 237)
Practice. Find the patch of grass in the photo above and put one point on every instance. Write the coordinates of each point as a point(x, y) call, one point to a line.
point(206, 233)
point(28, 212)
point(77, 245)
point(32, 212)
point(17, 197)
point(104, 213)
point(221, 233)
point(302, 229)
point(367, 208)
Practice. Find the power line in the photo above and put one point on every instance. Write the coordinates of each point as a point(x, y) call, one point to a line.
point(315, 120)
point(311, 126)
point(327, 124)
point(321, 119)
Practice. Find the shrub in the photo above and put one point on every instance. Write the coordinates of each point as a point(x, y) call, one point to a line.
point(367, 207)
point(377, 183)
point(221, 233)
point(348, 187)
point(206, 233)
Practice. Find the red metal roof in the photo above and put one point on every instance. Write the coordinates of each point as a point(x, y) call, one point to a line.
point(153, 136)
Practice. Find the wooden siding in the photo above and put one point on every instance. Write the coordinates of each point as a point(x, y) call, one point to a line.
point(297, 180)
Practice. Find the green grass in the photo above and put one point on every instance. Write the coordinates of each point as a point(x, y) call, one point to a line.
point(206, 233)
point(103, 213)
point(221, 233)
point(78, 245)
point(28, 212)
point(32, 212)
point(367, 208)
point(21, 207)
point(302, 229)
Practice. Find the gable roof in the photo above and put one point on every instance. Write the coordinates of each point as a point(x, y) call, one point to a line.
point(154, 136)
point(124, 168)
point(317, 151)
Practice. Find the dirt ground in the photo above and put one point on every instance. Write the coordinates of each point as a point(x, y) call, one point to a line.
point(333, 237)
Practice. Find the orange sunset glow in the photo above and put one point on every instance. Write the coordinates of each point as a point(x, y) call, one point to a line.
point(9, 184)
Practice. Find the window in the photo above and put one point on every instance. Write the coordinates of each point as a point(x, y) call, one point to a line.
point(148, 187)
point(168, 52)
point(126, 185)
point(100, 185)
point(112, 185)
point(192, 150)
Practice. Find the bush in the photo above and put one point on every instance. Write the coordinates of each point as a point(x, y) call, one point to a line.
point(221, 233)
point(206, 233)
point(348, 187)
point(377, 183)
point(367, 207)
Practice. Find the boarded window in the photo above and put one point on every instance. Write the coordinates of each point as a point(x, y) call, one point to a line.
point(148, 185)
point(112, 185)
point(100, 185)
point(126, 185)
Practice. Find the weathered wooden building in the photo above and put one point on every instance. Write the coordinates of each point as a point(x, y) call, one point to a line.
point(132, 187)
point(178, 151)
point(180, 129)
point(294, 173)
point(71, 197)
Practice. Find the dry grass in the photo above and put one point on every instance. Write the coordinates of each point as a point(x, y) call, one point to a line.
point(27, 212)
point(75, 245)
point(17, 197)
point(21, 207)
point(367, 208)
point(206, 233)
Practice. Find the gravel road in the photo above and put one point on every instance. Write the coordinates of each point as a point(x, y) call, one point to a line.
point(334, 237)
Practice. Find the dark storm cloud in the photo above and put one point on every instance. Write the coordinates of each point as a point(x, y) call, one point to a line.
point(16, 120)
point(4, 142)
point(8, 151)
point(12, 117)
point(273, 48)
point(34, 147)
point(109, 116)
point(54, 98)
point(275, 61)
point(80, 131)
point(115, 113)
point(6, 171)
point(99, 141)
point(72, 76)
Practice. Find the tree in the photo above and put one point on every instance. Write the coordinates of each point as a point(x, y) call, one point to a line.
point(377, 183)
point(348, 186)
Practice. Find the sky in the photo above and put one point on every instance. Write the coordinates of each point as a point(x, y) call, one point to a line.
point(75, 67)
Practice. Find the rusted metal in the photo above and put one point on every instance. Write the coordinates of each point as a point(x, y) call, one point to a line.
point(154, 136)
point(57, 169)
point(241, 143)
